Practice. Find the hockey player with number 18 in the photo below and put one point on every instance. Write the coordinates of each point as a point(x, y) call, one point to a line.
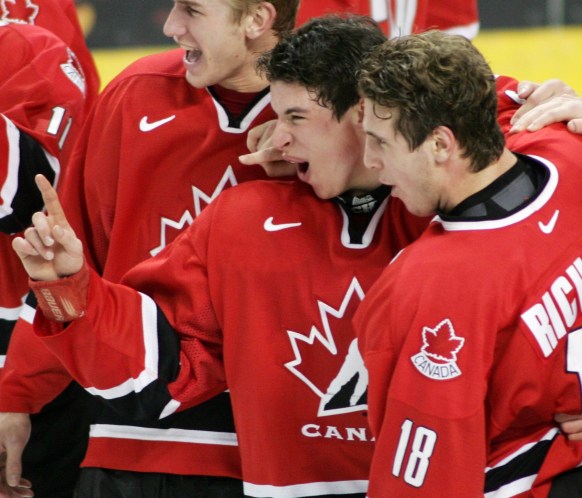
point(472, 335)
point(262, 288)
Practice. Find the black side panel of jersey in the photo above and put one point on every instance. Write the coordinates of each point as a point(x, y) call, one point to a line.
point(27, 200)
point(57, 445)
point(147, 404)
point(526, 464)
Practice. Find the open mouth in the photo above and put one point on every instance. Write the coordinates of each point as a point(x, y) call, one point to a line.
point(302, 167)
point(192, 56)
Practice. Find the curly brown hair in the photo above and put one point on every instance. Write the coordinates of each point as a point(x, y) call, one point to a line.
point(436, 79)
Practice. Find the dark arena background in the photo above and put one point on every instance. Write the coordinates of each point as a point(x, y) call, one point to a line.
point(527, 39)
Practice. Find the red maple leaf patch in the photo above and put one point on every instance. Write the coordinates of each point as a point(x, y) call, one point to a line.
point(19, 10)
point(441, 343)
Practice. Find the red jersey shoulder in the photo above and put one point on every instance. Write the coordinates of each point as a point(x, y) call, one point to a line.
point(553, 143)
point(59, 17)
point(43, 68)
point(452, 14)
point(508, 101)
point(169, 63)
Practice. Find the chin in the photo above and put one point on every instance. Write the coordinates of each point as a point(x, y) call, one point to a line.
point(197, 81)
point(323, 194)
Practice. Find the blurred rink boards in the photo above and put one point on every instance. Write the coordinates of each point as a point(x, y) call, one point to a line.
point(534, 54)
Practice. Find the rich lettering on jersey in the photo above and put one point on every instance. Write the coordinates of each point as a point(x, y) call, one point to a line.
point(550, 319)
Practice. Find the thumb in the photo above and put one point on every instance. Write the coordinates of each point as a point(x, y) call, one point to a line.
point(14, 463)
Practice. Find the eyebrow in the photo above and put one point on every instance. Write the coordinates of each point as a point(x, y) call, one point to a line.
point(293, 110)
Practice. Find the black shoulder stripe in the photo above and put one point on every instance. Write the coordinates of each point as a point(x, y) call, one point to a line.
point(27, 201)
point(524, 465)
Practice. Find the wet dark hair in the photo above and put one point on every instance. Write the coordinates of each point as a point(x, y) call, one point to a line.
point(324, 56)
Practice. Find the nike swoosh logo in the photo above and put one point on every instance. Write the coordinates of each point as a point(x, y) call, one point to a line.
point(272, 227)
point(146, 126)
point(548, 228)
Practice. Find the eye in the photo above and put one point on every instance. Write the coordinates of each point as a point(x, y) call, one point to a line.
point(191, 11)
point(377, 141)
point(294, 118)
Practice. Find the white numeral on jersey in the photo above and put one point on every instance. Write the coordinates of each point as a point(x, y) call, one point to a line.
point(56, 122)
point(574, 353)
point(422, 448)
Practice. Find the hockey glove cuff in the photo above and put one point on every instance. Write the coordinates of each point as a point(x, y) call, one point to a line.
point(65, 299)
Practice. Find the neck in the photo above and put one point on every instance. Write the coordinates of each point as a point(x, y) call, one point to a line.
point(250, 80)
point(467, 183)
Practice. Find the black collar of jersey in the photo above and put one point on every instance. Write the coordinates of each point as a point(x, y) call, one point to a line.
point(363, 204)
point(235, 121)
point(509, 193)
point(360, 209)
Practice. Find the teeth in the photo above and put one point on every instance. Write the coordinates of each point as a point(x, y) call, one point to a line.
point(193, 55)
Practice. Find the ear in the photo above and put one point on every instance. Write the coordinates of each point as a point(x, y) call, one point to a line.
point(360, 108)
point(260, 20)
point(444, 143)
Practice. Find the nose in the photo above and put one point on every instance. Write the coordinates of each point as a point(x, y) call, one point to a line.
point(281, 137)
point(371, 160)
point(174, 27)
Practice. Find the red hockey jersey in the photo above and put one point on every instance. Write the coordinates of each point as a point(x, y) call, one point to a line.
point(402, 17)
point(60, 17)
point(141, 173)
point(150, 449)
point(472, 340)
point(265, 282)
point(41, 111)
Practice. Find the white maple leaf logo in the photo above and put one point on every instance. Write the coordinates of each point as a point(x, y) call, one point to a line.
point(352, 374)
point(19, 11)
point(187, 218)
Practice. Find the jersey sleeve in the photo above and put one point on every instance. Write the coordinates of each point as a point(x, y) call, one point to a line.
point(154, 346)
point(32, 376)
point(428, 416)
point(41, 110)
point(43, 94)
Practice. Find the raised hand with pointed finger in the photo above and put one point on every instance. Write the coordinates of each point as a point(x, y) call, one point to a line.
point(49, 249)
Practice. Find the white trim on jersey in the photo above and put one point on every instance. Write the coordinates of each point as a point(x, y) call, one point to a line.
point(307, 489)
point(170, 435)
point(520, 215)
point(469, 31)
point(10, 187)
point(368, 236)
point(149, 314)
point(402, 19)
point(525, 483)
point(10, 314)
point(223, 120)
point(27, 313)
point(513, 488)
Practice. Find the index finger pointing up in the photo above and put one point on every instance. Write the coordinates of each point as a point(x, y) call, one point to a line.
point(51, 201)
